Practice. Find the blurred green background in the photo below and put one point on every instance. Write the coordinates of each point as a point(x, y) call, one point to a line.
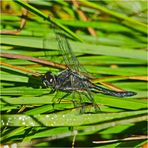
point(109, 38)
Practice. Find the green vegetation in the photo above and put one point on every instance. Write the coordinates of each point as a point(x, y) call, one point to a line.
point(109, 39)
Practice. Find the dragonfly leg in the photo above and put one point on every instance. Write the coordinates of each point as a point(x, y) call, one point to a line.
point(64, 96)
point(55, 97)
point(52, 91)
point(92, 101)
point(74, 100)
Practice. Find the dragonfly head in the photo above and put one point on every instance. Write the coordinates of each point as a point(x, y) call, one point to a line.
point(49, 79)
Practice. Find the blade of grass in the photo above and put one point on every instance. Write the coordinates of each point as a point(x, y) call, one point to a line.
point(73, 119)
point(83, 47)
point(134, 23)
point(39, 13)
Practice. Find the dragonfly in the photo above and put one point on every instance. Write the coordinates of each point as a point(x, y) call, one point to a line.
point(75, 79)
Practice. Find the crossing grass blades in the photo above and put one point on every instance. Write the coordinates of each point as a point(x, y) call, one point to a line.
point(75, 79)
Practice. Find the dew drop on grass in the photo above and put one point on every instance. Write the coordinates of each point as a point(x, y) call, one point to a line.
point(23, 123)
point(47, 116)
point(2, 122)
point(20, 118)
point(32, 124)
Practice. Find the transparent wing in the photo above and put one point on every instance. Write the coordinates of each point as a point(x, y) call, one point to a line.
point(69, 58)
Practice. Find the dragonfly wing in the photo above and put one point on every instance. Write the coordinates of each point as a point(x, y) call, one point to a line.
point(70, 59)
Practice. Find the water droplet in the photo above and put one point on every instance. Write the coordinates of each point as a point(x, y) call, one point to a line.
point(14, 145)
point(47, 116)
point(2, 122)
point(32, 124)
point(23, 123)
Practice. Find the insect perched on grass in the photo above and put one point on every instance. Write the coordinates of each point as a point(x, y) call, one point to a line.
point(75, 78)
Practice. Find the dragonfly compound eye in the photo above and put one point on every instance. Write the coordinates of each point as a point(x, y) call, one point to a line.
point(49, 79)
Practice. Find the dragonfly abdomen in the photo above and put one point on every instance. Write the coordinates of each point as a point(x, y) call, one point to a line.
point(114, 93)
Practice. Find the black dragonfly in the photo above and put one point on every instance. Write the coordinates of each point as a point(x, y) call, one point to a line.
point(75, 78)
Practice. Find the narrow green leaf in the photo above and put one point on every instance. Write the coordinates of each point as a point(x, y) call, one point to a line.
point(70, 119)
